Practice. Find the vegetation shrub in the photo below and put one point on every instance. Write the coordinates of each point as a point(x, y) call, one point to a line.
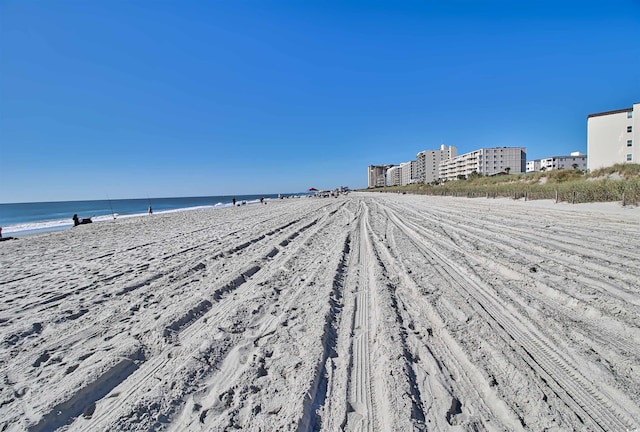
point(618, 183)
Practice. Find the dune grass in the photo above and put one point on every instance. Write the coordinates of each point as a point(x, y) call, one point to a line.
point(617, 183)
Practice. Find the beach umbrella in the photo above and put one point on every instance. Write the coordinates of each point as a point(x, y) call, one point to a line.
point(313, 189)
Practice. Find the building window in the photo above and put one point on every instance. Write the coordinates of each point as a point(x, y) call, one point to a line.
point(629, 128)
point(629, 157)
point(629, 143)
point(629, 114)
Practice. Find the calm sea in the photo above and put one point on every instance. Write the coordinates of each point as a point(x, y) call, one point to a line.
point(29, 218)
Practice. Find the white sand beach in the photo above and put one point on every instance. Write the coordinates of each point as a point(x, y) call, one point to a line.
point(367, 312)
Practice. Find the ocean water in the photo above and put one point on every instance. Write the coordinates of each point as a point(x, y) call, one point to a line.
point(29, 218)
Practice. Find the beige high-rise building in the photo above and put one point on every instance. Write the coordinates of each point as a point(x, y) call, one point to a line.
point(428, 162)
point(377, 175)
point(613, 137)
point(408, 172)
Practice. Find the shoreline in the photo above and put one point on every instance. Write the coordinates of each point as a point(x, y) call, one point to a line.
point(41, 227)
point(25, 230)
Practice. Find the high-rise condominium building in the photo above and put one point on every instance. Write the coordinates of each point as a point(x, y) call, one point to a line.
point(428, 162)
point(394, 176)
point(613, 137)
point(408, 172)
point(377, 175)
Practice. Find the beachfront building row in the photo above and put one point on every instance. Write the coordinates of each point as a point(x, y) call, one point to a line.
point(428, 163)
point(576, 160)
point(613, 137)
point(445, 165)
point(485, 161)
point(425, 169)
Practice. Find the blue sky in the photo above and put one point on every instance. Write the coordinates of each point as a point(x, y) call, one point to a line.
point(164, 98)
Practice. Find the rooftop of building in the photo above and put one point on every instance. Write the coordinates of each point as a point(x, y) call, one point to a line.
point(619, 111)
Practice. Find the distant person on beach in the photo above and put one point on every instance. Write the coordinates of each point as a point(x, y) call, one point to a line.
point(77, 221)
point(261, 200)
point(234, 201)
point(150, 209)
point(5, 238)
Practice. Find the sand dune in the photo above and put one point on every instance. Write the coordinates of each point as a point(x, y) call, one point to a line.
point(372, 312)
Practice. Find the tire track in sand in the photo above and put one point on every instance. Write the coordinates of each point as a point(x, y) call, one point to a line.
point(587, 402)
point(180, 354)
point(361, 415)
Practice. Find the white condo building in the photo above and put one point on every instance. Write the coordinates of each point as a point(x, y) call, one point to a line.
point(613, 137)
point(485, 161)
point(576, 160)
point(408, 172)
point(533, 165)
point(428, 162)
point(401, 175)
point(394, 176)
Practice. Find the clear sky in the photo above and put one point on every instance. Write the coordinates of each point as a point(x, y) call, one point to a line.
point(182, 98)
